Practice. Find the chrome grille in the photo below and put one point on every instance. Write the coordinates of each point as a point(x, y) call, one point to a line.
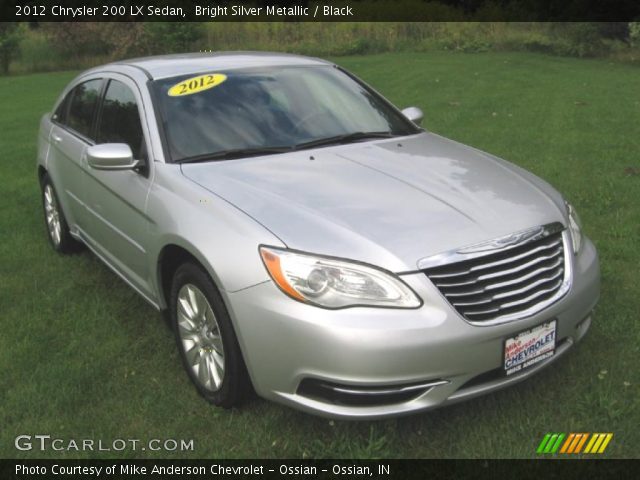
point(510, 283)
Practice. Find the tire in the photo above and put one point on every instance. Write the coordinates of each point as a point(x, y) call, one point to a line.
point(57, 227)
point(205, 338)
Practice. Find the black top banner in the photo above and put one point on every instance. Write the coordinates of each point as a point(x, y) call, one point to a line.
point(317, 469)
point(318, 11)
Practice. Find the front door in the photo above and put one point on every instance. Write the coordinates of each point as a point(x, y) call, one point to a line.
point(118, 226)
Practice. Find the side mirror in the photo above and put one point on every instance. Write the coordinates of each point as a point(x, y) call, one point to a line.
point(414, 114)
point(111, 156)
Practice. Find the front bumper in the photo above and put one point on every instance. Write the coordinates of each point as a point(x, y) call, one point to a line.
point(287, 344)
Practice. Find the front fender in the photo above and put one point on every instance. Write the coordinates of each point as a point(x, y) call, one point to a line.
point(220, 236)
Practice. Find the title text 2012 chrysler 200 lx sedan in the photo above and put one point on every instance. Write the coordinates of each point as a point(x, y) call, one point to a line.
point(308, 239)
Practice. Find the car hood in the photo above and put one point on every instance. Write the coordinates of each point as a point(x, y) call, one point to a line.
point(387, 202)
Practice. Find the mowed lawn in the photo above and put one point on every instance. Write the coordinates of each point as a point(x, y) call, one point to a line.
point(82, 356)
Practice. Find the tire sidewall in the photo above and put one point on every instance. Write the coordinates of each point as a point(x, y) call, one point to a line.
point(66, 241)
point(229, 392)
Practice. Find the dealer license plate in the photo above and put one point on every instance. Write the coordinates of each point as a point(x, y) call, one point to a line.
point(530, 347)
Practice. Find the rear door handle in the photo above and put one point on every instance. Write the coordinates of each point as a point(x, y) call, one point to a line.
point(56, 138)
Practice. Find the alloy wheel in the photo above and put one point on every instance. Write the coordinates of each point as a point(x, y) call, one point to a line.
point(52, 215)
point(200, 335)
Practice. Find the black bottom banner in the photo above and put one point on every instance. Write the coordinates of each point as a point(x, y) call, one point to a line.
point(316, 469)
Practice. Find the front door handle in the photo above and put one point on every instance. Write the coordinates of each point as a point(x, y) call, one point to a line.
point(56, 138)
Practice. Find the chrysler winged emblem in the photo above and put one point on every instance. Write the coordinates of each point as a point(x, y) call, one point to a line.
point(506, 241)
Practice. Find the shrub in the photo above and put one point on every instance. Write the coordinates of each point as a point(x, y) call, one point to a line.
point(579, 39)
point(9, 39)
point(172, 37)
point(634, 33)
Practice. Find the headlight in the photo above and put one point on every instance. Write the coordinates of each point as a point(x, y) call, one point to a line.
point(330, 283)
point(575, 227)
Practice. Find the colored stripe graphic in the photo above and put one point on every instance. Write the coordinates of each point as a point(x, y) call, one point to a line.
point(578, 442)
point(574, 443)
point(606, 442)
point(591, 442)
point(581, 443)
point(568, 442)
point(550, 443)
point(555, 447)
point(543, 443)
point(598, 442)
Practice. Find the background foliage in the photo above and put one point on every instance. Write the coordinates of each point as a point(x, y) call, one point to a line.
point(9, 39)
point(60, 46)
point(83, 356)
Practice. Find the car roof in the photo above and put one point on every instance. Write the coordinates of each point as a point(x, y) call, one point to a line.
point(164, 66)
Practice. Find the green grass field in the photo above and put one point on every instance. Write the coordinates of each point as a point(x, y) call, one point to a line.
point(82, 356)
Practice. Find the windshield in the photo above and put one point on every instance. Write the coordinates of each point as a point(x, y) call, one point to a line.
point(260, 111)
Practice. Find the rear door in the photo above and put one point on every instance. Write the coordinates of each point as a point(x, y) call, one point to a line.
point(118, 227)
point(71, 134)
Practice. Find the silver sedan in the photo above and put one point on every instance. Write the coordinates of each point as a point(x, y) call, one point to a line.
point(310, 241)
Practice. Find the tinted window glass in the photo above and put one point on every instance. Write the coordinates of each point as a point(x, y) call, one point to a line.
point(120, 121)
point(60, 114)
point(270, 107)
point(83, 105)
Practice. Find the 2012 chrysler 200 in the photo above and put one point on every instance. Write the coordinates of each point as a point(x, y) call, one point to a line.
point(310, 240)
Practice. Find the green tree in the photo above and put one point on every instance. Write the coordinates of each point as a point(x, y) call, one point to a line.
point(634, 33)
point(9, 38)
point(173, 37)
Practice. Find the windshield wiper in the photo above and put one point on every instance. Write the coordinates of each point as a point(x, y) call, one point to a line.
point(232, 154)
point(254, 152)
point(344, 138)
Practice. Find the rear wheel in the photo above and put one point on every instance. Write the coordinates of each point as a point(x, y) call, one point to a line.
point(205, 338)
point(57, 228)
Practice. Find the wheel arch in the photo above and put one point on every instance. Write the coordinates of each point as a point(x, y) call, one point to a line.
point(41, 173)
point(171, 256)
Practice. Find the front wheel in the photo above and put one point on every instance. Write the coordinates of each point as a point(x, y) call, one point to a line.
point(205, 337)
point(57, 228)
